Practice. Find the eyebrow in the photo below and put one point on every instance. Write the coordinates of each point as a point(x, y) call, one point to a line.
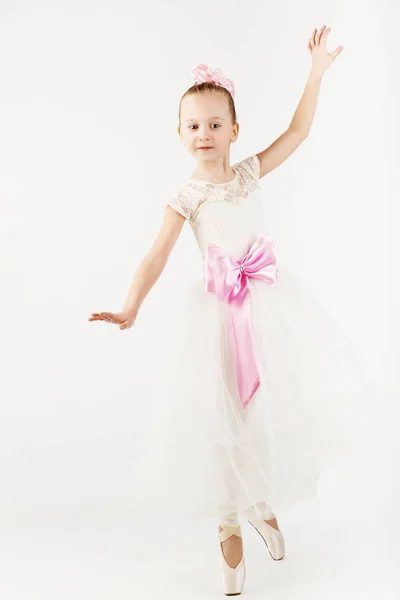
point(193, 119)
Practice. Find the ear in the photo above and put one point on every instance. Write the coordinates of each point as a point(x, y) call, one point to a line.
point(235, 132)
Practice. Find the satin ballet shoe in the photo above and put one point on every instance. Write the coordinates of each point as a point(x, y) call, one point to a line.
point(272, 537)
point(232, 578)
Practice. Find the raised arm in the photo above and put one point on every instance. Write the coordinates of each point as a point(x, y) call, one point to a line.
point(148, 271)
point(300, 125)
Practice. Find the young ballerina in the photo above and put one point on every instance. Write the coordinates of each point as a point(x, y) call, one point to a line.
point(242, 430)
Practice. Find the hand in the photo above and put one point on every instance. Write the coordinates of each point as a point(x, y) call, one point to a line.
point(125, 320)
point(321, 59)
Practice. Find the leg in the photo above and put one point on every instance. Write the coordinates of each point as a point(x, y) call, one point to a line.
point(231, 519)
point(267, 526)
point(232, 547)
point(273, 522)
point(262, 510)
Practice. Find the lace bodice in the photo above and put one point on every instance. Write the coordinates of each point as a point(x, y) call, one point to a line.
point(228, 214)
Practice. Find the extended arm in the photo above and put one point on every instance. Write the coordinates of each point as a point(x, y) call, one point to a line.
point(147, 273)
point(154, 262)
point(298, 130)
point(300, 125)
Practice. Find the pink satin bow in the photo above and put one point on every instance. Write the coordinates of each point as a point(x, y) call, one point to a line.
point(228, 279)
point(203, 73)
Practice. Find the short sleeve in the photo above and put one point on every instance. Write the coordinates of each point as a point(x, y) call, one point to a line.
point(250, 167)
point(182, 203)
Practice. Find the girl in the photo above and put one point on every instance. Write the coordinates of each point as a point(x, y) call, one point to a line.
point(240, 428)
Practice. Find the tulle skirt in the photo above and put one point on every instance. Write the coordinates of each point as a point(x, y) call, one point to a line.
point(206, 456)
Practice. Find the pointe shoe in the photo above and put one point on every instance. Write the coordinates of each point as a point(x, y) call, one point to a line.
point(272, 537)
point(232, 578)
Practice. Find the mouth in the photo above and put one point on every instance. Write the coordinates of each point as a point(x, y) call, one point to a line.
point(205, 148)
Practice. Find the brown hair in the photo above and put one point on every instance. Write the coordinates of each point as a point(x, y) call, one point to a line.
point(207, 86)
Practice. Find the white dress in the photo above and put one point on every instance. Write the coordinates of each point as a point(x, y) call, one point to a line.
point(206, 455)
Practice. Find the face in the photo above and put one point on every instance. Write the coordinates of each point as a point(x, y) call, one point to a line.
point(205, 121)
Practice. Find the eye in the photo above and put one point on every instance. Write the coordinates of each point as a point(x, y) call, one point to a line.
point(190, 126)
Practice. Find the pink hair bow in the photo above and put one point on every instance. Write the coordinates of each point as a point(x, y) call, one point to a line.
point(228, 279)
point(202, 73)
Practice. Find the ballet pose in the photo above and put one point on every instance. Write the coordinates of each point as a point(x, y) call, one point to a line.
point(242, 429)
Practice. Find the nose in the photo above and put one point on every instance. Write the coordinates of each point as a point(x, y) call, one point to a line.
point(203, 134)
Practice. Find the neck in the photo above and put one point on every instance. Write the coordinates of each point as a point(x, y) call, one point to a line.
point(213, 172)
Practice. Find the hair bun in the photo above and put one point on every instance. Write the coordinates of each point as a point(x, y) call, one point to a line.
point(203, 73)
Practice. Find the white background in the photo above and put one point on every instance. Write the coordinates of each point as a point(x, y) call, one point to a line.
point(89, 153)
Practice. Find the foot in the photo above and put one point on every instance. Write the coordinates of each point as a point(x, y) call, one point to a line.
point(273, 523)
point(232, 549)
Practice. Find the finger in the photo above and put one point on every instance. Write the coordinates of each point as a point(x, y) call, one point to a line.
point(309, 46)
point(314, 36)
point(336, 53)
point(312, 39)
point(323, 37)
point(107, 316)
point(318, 36)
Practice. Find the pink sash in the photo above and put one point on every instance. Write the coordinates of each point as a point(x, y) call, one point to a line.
point(227, 278)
